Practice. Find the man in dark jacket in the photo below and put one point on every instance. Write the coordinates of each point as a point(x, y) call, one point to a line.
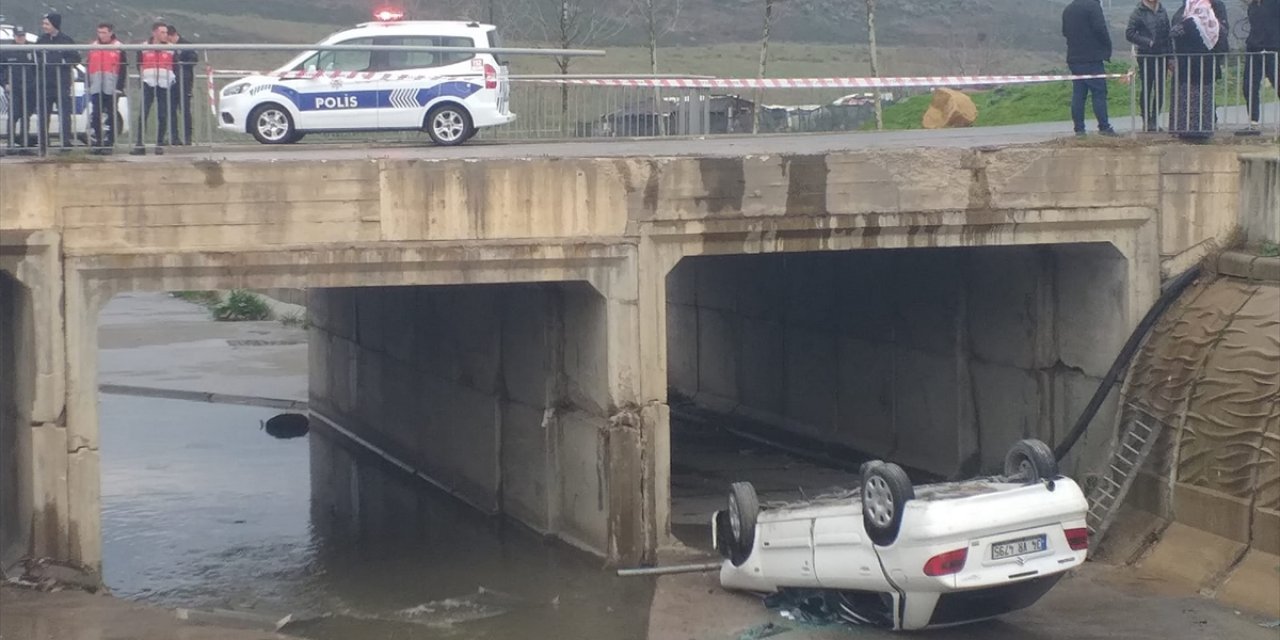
point(1148, 32)
point(18, 78)
point(59, 76)
point(1263, 46)
point(1088, 47)
point(186, 62)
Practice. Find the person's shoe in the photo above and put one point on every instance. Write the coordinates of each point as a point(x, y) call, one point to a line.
point(1081, 134)
point(1109, 132)
point(159, 150)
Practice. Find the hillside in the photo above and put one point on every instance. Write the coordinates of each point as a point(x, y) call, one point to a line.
point(950, 24)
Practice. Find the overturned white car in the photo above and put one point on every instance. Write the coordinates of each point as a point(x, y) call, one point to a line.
point(904, 557)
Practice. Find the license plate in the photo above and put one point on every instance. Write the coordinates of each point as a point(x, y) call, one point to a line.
point(1019, 547)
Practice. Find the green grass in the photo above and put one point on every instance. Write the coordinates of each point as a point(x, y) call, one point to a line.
point(1047, 102)
point(242, 305)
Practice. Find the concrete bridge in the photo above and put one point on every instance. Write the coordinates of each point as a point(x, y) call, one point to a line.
point(514, 327)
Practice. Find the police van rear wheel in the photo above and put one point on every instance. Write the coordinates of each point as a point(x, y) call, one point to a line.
point(272, 124)
point(449, 125)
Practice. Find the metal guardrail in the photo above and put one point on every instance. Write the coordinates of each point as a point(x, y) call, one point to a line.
point(1198, 95)
point(152, 111)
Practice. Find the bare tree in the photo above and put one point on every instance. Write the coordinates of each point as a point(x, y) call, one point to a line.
point(764, 61)
point(567, 24)
point(658, 17)
point(875, 62)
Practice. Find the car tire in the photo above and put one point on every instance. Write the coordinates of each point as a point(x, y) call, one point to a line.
point(271, 124)
point(449, 125)
point(1030, 461)
point(744, 508)
point(886, 489)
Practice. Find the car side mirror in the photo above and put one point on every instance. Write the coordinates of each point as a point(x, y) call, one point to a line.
point(311, 68)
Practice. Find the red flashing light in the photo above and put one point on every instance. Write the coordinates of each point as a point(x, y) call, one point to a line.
point(945, 564)
point(1078, 539)
point(388, 15)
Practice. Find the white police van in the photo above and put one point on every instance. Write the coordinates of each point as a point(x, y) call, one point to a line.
point(449, 94)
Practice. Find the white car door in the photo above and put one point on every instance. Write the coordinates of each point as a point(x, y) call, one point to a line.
point(428, 75)
point(329, 95)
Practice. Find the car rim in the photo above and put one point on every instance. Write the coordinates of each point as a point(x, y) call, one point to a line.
point(735, 519)
point(273, 124)
point(448, 125)
point(879, 501)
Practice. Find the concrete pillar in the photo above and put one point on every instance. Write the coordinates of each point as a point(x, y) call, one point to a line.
point(37, 409)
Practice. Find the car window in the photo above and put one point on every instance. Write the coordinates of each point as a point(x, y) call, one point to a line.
point(340, 60)
point(397, 60)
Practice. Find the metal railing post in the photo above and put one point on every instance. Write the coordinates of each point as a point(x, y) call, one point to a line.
point(1138, 78)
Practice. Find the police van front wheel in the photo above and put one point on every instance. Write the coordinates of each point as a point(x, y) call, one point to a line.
point(449, 125)
point(272, 124)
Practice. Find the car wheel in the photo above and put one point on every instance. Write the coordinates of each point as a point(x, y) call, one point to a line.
point(449, 125)
point(885, 491)
point(744, 507)
point(271, 124)
point(1030, 461)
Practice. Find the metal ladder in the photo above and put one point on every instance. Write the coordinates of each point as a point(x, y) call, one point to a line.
point(1139, 432)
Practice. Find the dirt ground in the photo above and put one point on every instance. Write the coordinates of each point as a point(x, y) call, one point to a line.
point(76, 615)
point(1098, 602)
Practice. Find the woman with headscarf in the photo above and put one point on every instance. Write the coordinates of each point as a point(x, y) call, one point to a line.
point(1199, 30)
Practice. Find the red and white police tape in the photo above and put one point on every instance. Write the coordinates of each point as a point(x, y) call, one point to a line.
point(715, 83)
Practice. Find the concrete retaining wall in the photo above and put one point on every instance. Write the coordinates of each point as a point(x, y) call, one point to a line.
point(497, 392)
point(1260, 197)
point(937, 359)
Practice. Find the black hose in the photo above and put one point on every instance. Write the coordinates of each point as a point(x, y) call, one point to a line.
point(1121, 363)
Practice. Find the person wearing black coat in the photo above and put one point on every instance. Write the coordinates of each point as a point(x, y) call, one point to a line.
point(59, 76)
point(18, 78)
point(1148, 32)
point(1088, 47)
point(1263, 45)
point(186, 62)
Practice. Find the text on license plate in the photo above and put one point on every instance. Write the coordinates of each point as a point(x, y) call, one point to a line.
point(1019, 547)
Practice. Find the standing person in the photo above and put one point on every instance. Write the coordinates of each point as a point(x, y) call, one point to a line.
point(105, 75)
point(18, 78)
point(1088, 47)
point(1148, 31)
point(156, 66)
point(59, 77)
point(1197, 32)
point(187, 59)
point(1263, 46)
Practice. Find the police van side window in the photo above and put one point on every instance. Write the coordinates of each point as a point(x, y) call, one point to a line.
point(341, 60)
point(398, 60)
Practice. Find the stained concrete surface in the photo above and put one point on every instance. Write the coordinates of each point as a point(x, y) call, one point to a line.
point(1095, 603)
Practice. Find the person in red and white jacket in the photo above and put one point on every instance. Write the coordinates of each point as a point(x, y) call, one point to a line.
point(106, 70)
point(158, 71)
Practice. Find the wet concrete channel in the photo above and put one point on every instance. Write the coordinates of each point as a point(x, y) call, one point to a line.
point(202, 509)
